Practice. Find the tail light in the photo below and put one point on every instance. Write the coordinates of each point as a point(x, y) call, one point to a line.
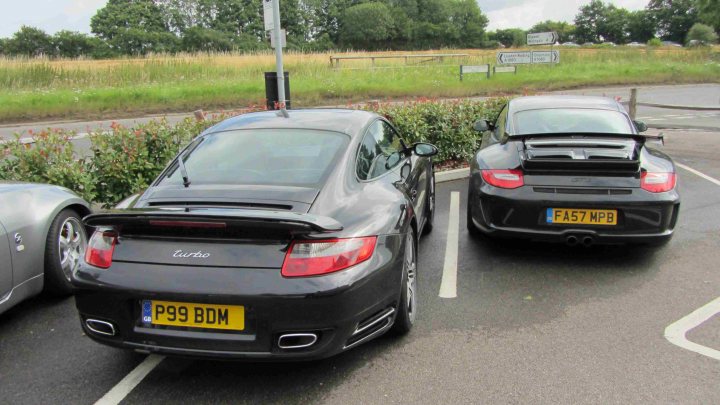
point(100, 248)
point(314, 258)
point(504, 178)
point(657, 182)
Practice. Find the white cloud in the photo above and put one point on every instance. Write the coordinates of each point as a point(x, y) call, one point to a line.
point(526, 13)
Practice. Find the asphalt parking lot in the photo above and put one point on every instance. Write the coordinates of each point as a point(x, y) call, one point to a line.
point(529, 322)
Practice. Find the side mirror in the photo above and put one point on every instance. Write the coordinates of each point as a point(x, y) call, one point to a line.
point(425, 149)
point(640, 126)
point(482, 125)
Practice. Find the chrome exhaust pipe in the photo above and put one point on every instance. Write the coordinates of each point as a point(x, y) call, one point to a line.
point(587, 241)
point(100, 327)
point(291, 341)
point(571, 240)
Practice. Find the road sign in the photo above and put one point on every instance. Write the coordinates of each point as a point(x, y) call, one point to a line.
point(505, 69)
point(514, 58)
point(283, 36)
point(526, 57)
point(542, 38)
point(268, 15)
point(546, 57)
point(465, 69)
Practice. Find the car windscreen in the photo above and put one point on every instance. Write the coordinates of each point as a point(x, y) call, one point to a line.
point(569, 120)
point(292, 157)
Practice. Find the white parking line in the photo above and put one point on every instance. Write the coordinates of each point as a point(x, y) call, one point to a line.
point(695, 172)
point(127, 384)
point(676, 332)
point(448, 286)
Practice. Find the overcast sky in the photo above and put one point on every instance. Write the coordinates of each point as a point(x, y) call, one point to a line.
point(55, 15)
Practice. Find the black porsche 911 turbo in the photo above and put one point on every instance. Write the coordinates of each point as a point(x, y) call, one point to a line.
point(268, 237)
point(570, 169)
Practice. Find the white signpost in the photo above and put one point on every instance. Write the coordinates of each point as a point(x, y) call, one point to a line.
point(542, 38)
point(271, 14)
point(527, 57)
point(546, 56)
point(514, 58)
point(465, 69)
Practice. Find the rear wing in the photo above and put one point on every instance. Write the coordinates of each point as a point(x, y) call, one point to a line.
point(581, 152)
point(208, 217)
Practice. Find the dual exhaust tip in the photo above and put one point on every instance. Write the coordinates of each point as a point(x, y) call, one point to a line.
point(573, 240)
point(287, 341)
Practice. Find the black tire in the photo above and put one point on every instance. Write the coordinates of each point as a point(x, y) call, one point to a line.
point(407, 308)
point(430, 204)
point(472, 229)
point(64, 249)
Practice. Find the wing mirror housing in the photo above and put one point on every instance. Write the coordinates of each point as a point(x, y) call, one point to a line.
point(483, 125)
point(425, 149)
point(640, 126)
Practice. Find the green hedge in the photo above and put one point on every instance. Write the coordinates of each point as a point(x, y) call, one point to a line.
point(125, 160)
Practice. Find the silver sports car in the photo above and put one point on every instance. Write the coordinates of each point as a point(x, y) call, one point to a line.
point(42, 240)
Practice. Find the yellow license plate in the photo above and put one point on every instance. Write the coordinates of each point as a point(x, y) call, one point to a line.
point(581, 216)
point(230, 317)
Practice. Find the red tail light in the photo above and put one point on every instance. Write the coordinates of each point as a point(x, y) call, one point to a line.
point(657, 182)
point(314, 258)
point(504, 178)
point(100, 248)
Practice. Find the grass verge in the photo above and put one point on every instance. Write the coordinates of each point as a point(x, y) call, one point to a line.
point(41, 89)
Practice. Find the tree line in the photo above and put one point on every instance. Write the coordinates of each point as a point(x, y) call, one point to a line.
point(139, 27)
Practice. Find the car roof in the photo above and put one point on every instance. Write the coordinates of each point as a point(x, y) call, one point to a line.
point(347, 121)
point(563, 101)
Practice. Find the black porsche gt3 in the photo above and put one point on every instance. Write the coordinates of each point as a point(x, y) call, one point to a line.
point(570, 169)
point(268, 237)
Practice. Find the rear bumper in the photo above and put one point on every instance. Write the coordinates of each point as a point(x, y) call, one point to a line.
point(333, 307)
point(642, 217)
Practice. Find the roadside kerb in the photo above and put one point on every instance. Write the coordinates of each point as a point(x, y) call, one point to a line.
point(450, 175)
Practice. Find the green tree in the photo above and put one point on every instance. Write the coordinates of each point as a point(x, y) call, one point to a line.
point(673, 18)
point(133, 27)
point(709, 12)
point(565, 31)
point(3, 46)
point(198, 39)
point(589, 21)
point(615, 25)
point(30, 41)
point(366, 25)
point(510, 37)
point(470, 22)
point(72, 44)
point(702, 33)
point(640, 26)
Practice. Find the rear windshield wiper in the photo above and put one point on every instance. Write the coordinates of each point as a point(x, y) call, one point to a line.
point(183, 171)
point(181, 164)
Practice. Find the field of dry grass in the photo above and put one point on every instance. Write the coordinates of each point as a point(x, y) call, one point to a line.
point(39, 88)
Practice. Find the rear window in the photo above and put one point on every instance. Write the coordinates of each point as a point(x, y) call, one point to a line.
point(294, 157)
point(548, 121)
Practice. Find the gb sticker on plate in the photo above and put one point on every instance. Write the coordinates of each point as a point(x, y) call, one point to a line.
point(147, 312)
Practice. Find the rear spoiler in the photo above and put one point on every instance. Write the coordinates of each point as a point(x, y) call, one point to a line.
point(290, 221)
point(638, 137)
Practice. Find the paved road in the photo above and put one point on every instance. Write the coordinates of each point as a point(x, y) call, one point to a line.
point(702, 95)
point(531, 323)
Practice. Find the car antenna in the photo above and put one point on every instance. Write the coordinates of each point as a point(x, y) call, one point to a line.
point(183, 171)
